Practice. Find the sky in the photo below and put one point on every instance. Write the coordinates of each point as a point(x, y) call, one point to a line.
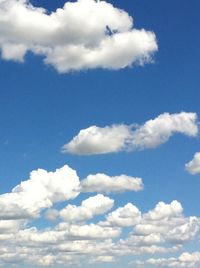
point(100, 157)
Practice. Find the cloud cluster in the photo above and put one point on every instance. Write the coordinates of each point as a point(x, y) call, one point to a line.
point(94, 231)
point(97, 140)
point(185, 260)
point(85, 34)
point(193, 166)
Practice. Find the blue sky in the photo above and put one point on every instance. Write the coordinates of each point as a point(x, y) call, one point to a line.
point(43, 108)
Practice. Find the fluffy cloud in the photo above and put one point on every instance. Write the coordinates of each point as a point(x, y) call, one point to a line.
point(84, 34)
point(104, 183)
point(165, 223)
point(42, 190)
point(193, 166)
point(77, 236)
point(90, 207)
point(185, 260)
point(96, 140)
point(126, 216)
point(95, 242)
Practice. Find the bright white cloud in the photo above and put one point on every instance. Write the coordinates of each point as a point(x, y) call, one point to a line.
point(193, 166)
point(90, 207)
point(98, 243)
point(157, 131)
point(84, 34)
point(97, 140)
point(104, 183)
point(165, 223)
point(78, 236)
point(42, 190)
point(126, 216)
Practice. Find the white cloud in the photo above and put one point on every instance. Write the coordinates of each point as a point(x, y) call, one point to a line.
point(126, 216)
point(185, 260)
point(157, 131)
point(193, 166)
point(84, 34)
point(72, 239)
point(90, 207)
point(165, 223)
point(97, 140)
point(104, 183)
point(42, 190)
point(96, 243)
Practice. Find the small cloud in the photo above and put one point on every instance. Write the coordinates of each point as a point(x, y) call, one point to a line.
point(193, 166)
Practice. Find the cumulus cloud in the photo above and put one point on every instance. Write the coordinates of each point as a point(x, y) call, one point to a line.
point(126, 216)
point(90, 207)
point(79, 235)
point(185, 260)
point(95, 242)
point(104, 183)
point(164, 224)
point(84, 34)
point(193, 166)
point(96, 140)
point(109, 139)
point(42, 190)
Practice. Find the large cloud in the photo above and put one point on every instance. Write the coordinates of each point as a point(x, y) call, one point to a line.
point(97, 140)
point(104, 183)
point(87, 233)
point(42, 190)
point(84, 34)
point(193, 166)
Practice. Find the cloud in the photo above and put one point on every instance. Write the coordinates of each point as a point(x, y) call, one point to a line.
point(164, 224)
point(99, 140)
point(126, 216)
point(90, 207)
point(96, 140)
point(87, 233)
point(193, 166)
point(85, 34)
point(95, 243)
point(104, 183)
point(185, 260)
point(42, 190)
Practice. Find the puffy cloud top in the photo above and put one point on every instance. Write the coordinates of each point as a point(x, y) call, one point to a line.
point(90, 207)
point(84, 34)
point(42, 190)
